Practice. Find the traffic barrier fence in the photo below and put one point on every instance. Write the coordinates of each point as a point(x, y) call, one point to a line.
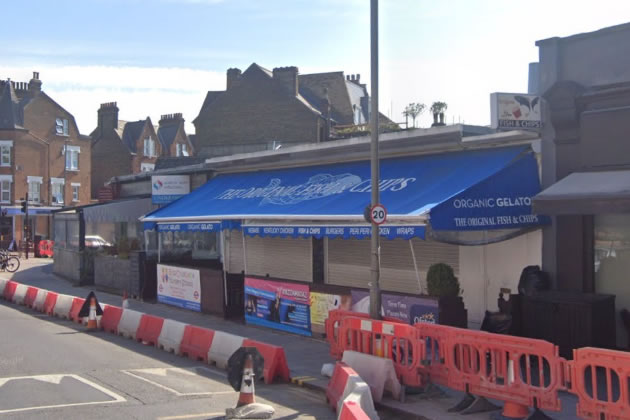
point(77, 304)
point(31, 295)
point(19, 294)
point(49, 303)
point(129, 323)
point(9, 290)
point(149, 329)
point(111, 318)
point(223, 346)
point(196, 343)
point(62, 306)
point(275, 360)
point(171, 335)
point(40, 299)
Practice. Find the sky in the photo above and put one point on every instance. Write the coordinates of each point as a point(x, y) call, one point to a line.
point(157, 57)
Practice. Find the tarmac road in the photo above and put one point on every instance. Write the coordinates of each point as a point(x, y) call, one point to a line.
point(51, 369)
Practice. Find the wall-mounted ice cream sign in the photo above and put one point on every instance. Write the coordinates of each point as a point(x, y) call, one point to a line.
point(515, 111)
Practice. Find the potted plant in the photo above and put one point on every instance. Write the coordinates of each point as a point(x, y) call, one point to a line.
point(438, 108)
point(444, 285)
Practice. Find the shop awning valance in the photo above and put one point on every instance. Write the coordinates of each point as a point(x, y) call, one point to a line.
point(117, 211)
point(587, 193)
point(345, 232)
point(467, 190)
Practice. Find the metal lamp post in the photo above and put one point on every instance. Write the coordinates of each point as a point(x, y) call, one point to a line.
point(375, 269)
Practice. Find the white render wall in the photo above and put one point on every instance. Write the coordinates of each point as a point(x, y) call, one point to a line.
point(484, 270)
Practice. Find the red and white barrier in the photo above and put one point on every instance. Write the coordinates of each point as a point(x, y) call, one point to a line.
point(377, 372)
point(347, 385)
point(38, 304)
point(223, 346)
point(188, 340)
point(20, 294)
point(129, 323)
point(62, 306)
point(171, 335)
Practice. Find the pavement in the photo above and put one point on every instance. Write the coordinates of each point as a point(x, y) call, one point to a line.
point(305, 355)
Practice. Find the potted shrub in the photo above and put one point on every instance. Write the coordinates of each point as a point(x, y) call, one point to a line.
point(444, 285)
point(438, 108)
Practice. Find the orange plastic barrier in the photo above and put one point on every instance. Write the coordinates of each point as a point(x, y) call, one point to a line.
point(9, 290)
point(331, 326)
point(435, 339)
point(31, 294)
point(49, 303)
point(520, 371)
point(352, 411)
point(337, 383)
point(77, 304)
point(111, 318)
point(601, 380)
point(149, 329)
point(275, 360)
point(391, 340)
point(196, 343)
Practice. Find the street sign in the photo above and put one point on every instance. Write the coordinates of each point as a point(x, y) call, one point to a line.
point(378, 214)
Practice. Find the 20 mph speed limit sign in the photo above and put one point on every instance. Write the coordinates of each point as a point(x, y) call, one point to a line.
point(378, 214)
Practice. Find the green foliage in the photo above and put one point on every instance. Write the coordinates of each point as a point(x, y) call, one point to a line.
point(441, 281)
point(438, 107)
point(413, 110)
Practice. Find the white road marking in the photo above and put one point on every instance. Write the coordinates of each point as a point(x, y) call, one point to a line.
point(56, 379)
point(163, 371)
point(192, 416)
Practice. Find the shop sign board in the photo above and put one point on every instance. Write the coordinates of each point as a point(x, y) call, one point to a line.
point(322, 304)
point(168, 188)
point(179, 286)
point(279, 305)
point(409, 309)
point(515, 111)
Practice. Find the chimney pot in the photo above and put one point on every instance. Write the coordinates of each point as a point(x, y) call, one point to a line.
point(233, 77)
point(287, 77)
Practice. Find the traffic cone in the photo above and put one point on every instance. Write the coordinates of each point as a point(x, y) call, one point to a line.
point(91, 324)
point(246, 396)
point(125, 302)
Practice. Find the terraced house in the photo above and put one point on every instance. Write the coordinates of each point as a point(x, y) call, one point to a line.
point(122, 147)
point(43, 154)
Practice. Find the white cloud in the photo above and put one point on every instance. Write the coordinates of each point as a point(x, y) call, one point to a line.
point(139, 91)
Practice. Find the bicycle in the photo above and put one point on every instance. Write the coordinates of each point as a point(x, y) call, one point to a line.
point(9, 262)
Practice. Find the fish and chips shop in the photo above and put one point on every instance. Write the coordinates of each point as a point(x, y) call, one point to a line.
point(293, 241)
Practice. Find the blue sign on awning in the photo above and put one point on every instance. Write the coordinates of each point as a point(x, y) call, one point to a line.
point(425, 186)
point(189, 227)
point(345, 232)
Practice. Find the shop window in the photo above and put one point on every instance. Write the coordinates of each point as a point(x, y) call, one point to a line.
point(612, 263)
point(5, 191)
point(190, 245)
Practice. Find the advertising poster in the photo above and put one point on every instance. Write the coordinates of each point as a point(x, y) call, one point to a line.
point(283, 306)
point(410, 309)
point(321, 304)
point(179, 286)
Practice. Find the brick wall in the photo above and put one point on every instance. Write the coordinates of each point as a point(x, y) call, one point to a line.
point(139, 158)
point(255, 111)
point(110, 157)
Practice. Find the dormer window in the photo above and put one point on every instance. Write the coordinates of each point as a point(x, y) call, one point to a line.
point(61, 126)
point(149, 147)
point(182, 149)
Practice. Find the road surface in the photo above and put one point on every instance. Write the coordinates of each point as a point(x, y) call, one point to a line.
point(51, 369)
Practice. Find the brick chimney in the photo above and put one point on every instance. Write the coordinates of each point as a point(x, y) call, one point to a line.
point(287, 78)
point(233, 77)
point(35, 85)
point(107, 117)
point(171, 118)
point(354, 78)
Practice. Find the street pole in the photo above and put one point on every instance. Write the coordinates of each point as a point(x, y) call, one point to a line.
point(375, 270)
point(26, 230)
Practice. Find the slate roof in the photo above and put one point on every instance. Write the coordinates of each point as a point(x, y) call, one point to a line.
point(166, 133)
point(129, 132)
point(169, 162)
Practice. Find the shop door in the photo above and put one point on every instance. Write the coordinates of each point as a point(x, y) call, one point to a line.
point(235, 292)
point(6, 231)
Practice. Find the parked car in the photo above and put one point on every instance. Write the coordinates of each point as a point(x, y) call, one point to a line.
point(95, 241)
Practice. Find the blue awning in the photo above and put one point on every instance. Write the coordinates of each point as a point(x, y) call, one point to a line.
point(345, 232)
point(467, 190)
